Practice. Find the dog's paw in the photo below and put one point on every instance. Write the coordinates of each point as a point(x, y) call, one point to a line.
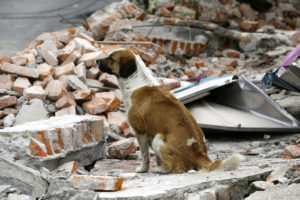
point(159, 170)
point(141, 169)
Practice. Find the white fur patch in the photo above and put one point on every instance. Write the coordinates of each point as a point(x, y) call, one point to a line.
point(190, 141)
point(157, 142)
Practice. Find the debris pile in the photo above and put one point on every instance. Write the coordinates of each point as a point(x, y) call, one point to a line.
point(56, 80)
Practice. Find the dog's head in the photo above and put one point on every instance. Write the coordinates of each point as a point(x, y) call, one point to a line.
point(121, 63)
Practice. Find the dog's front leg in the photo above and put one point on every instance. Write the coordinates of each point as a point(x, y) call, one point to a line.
point(143, 141)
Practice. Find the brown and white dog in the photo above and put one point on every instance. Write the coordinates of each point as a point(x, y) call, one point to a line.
point(160, 120)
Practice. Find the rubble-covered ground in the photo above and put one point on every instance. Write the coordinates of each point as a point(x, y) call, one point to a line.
point(83, 146)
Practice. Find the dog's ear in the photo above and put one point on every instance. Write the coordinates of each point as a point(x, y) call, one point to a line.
point(127, 66)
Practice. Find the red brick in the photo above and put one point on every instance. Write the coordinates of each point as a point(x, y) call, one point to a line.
point(247, 25)
point(65, 70)
point(111, 99)
point(95, 106)
point(97, 182)
point(109, 80)
point(6, 82)
point(233, 53)
point(83, 95)
point(21, 84)
point(64, 102)
point(164, 12)
point(144, 55)
point(19, 70)
point(127, 130)
point(169, 21)
point(174, 45)
point(230, 68)
point(169, 6)
point(141, 16)
point(293, 151)
point(116, 118)
point(199, 64)
point(55, 89)
point(69, 167)
point(34, 92)
point(37, 148)
point(71, 110)
point(122, 148)
point(6, 101)
point(45, 70)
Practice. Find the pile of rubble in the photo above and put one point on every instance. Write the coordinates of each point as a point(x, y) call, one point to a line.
point(56, 80)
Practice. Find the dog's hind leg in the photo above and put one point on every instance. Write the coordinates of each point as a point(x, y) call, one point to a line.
point(143, 140)
point(157, 143)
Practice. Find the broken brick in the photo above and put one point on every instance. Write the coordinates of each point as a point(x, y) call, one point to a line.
point(199, 64)
point(5, 59)
point(293, 151)
point(127, 130)
point(109, 80)
point(170, 84)
point(95, 106)
point(248, 12)
point(6, 82)
point(55, 89)
point(34, 92)
point(72, 57)
point(89, 59)
point(81, 71)
point(111, 99)
point(97, 182)
point(93, 73)
point(144, 55)
point(86, 37)
point(247, 25)
point(64, 102)
point(37, 148)
point(71, 110)
point(69, 167)
point(116, 118)
point(231, 62)
point(21, 84)
point(19, 70)
point(233, 53)
point(66, 51)
point(65, 69)
point(121, 149)
point(23, 59)
point(83, 95)
point(50, 57)
point(6, 101)
point(75, 83)
point(45, 70)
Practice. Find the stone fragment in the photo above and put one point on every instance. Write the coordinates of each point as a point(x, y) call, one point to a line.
point(83, 95)
point(72, 57)
point(50, 57)
point(29, 180)
point(45, 70)
point(81, 71)
point(9, 120)
point(95, 106)
point(65, 101)
point(122, 148)
point(248, 12)
point(55, 89)
point(247, 25)
point(292, 150)
point(109, 80)
point(233, 53)
point(69, 167)
point(111, 99)
point(21, 84)
point(116, 118)
point(19, 70)
point(259, 186)
point(75, 83)
point(6, 101)
point(33, 111)
point(93, 73)
point(65, 70)
point(13, 196)
point(89, 59)
point(6, 82)
point(278, 173)
point(34, 92)
point(97, 182)
point(91, 83)
point(71, 110)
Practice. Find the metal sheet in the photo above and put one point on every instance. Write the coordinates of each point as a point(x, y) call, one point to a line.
point(240, 106)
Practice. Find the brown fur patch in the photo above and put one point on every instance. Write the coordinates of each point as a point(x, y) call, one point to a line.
point(156, 111)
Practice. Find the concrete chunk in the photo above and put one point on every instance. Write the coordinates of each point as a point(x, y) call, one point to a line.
point(19, 70)
point(21, 84)
point(97, 182)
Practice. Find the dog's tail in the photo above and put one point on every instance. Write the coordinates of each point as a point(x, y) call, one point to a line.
point(230, 163)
